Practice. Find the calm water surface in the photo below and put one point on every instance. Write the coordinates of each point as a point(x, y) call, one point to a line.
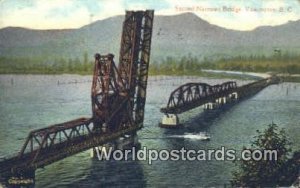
point(33, 101)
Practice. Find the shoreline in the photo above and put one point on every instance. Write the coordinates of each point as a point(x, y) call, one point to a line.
point(241, 73)
point(208, 73)
point(198, 74)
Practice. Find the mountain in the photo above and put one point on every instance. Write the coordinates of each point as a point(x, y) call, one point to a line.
point(176, 35)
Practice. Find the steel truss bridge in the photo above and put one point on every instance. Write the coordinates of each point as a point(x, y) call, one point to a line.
point(192, 95)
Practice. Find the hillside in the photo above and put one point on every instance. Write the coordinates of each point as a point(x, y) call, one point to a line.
point(175, 36)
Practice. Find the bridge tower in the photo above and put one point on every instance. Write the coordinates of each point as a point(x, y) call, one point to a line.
point(119, 91)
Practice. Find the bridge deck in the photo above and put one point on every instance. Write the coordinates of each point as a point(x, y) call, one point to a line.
point(63, 146)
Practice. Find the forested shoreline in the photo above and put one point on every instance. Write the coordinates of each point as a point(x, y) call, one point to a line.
point(186, 65)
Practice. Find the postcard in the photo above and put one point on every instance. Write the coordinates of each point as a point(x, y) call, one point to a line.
point(154, 93)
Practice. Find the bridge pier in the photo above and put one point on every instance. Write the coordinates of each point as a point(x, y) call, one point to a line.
point(126, 142)
point(221, 101)
point(211, 105)
point(234, 95)
point(170, 121)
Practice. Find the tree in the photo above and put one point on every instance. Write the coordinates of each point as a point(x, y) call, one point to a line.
point(85, 62)
point(70, 65)
point(77, 65)
point(62, 65)
point(270, 172)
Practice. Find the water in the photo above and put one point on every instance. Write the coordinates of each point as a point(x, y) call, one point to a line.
point(30, 102)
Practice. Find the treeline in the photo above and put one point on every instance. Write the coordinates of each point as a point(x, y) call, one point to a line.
point(186, 65)
point(41, 65)
point(279, 63)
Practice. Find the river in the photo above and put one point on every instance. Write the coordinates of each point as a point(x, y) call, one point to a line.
point(33, 101)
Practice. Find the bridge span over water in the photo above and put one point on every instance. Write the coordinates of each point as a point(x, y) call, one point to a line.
point(193, 95)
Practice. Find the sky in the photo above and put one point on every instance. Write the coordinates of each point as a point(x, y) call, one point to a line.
point(231, 14)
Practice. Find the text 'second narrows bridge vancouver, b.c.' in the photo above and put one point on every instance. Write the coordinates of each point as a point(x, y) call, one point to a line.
point(118, 97)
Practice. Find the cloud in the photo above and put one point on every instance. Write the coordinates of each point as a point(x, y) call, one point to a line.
point(109, 8)
point(41, 14)
point(56, 14)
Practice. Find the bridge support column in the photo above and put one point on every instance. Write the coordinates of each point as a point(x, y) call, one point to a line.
point(170, 121)
point(234, 95)
point(126, 142)
point(211, 105)
point(219, 102)
point(223, 100)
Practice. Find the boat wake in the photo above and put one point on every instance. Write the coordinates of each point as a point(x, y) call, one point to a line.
point(198, 136)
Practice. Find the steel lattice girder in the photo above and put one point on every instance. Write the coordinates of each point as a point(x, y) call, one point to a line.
point(191, 95)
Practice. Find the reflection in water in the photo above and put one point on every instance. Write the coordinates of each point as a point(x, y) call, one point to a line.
point(82, 171)
point(113, 173)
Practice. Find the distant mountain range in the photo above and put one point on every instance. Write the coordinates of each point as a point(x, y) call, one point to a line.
point(175, 36)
